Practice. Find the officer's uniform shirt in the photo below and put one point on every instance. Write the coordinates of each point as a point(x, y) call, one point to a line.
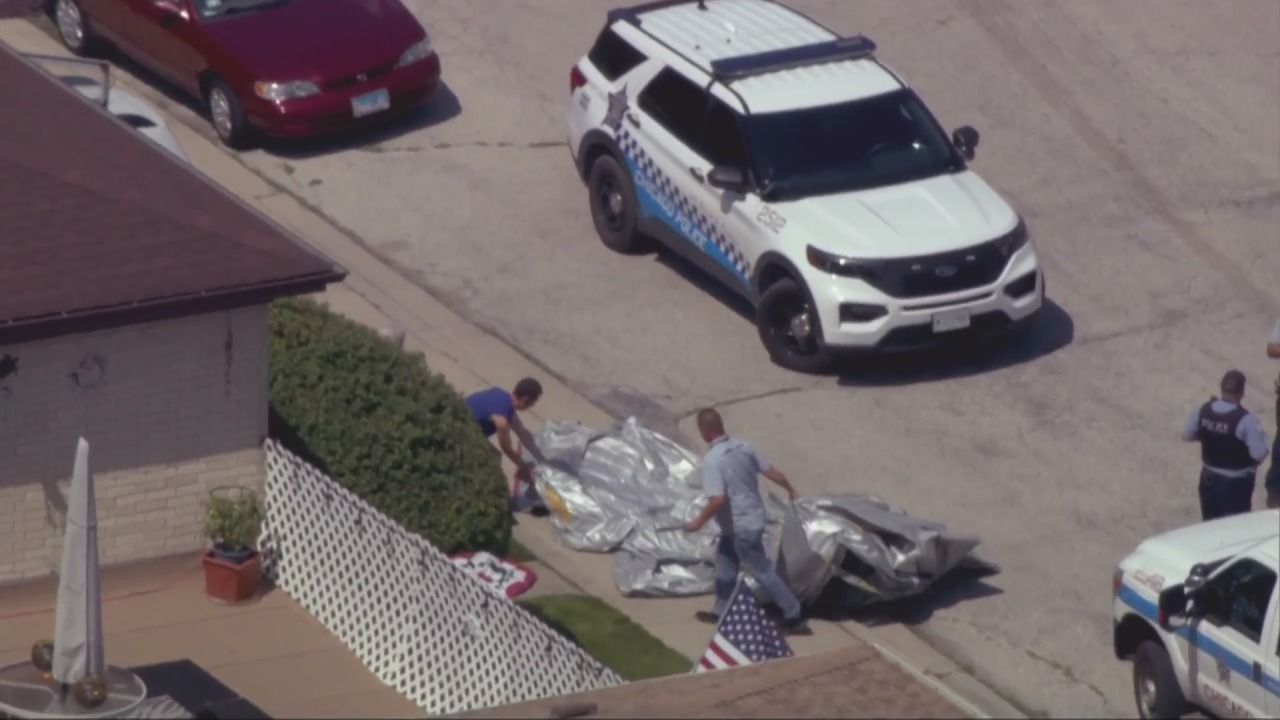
point(1248, 430)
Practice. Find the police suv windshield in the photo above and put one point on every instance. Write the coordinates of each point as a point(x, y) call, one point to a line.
point(884, 140)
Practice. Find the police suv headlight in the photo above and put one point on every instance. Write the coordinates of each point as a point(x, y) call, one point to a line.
point(281, 91)
point(418, 51)
point(1013, 241)
point(840, 265)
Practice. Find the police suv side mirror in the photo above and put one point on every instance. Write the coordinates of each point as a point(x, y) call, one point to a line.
point(727, 178)
point(966, 141)
point(1172, 603)
point(1196, 579)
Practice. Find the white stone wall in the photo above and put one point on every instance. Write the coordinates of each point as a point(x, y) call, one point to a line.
point(170, 409)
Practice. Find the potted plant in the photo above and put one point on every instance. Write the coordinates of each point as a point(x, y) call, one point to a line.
point(233, 520)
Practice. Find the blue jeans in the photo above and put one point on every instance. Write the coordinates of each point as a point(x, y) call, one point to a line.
point(744, 550)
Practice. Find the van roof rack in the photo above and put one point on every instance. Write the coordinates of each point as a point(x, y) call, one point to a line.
point(745, 66)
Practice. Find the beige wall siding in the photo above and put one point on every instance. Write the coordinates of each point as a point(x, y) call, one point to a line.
point(170, 410)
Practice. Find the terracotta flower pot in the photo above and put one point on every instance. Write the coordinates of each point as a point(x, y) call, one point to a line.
point(231, 582)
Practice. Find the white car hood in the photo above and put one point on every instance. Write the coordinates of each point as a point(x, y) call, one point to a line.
point(942, 213)
point(1172, 554)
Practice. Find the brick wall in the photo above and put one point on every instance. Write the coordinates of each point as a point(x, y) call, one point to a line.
point(170, 410)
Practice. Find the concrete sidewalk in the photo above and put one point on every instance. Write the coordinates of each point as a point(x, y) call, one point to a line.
point(470, 359)
point(269, 650)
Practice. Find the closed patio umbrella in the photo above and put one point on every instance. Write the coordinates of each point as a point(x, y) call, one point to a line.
point(77, 639)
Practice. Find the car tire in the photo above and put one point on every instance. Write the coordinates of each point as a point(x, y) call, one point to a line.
point(74, 29)
point(1155, 685)
point(613, 206)
point(226, 114)
point(790, 329)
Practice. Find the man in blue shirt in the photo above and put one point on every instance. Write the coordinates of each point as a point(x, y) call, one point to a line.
point(730, 476)
point(1232, 445)
point(495, 412)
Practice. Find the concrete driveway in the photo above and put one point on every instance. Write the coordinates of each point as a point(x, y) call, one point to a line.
point(1139, 139)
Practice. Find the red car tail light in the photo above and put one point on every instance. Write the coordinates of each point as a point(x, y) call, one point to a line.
point(576, 79)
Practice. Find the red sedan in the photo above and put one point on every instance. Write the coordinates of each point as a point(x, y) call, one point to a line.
point(285, 68)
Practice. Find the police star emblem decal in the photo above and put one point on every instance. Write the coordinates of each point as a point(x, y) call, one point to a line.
point(617, 107)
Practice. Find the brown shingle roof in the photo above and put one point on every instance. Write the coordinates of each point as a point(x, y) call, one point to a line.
point(98, 227)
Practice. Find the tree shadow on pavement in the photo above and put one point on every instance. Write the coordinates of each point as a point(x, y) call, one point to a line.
point(839, 601)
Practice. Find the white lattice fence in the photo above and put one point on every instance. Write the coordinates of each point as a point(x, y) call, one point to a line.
point(421, 624)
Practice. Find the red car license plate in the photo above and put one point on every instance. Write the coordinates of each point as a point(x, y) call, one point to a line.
point(370, 103)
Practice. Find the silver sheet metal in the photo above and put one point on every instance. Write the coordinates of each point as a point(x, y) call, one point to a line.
point(629, 491)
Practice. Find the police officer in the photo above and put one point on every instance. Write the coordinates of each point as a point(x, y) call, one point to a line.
point(1232, 445)
point(1273, 477)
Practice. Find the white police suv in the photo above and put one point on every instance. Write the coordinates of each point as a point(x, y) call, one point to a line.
point(1197, 610)
point(792, 165)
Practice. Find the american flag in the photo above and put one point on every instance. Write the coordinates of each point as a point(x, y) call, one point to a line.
point(744, 636)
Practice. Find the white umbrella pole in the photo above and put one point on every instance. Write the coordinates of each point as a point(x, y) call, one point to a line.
point(77, 640)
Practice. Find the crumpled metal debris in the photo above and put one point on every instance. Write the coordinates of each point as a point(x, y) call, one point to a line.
point(878, 549)
point(629, 490)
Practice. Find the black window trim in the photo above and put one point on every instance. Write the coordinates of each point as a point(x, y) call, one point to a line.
point(709, 100)
point(1225, 620)
point(638, 56)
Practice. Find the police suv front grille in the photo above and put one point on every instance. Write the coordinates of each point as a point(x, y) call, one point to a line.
point(371, 74)
point(948, 272)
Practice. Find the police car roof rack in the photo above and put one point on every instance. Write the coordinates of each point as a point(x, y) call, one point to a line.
point(744, 66)
point(632, 14)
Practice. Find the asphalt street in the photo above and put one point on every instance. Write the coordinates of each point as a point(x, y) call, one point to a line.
point(1141, 141)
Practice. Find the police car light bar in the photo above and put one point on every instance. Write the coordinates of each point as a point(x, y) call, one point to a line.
point(744, 66)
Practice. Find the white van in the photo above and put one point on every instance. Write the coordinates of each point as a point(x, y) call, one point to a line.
point(1197, 610)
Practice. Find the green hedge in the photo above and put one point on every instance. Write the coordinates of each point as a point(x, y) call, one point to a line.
point(374, 418)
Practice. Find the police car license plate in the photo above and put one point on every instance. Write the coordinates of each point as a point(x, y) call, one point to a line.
point(370, 103)
point(949, 321)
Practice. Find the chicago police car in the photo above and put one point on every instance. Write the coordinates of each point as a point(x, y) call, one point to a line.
point(1198, 613)
point(793, 166)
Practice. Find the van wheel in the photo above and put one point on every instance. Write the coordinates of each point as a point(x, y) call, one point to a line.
point(790, 329)
point(73, 27)
point(227, 115)
point(1155, 686)
point(613, 206)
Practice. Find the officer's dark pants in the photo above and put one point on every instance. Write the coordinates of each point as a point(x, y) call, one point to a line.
point(1221, 496)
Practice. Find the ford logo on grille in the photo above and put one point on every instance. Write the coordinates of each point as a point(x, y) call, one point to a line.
point(945, 271)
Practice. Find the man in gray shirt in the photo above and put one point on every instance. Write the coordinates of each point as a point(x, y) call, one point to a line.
point(1273, 477)
point(1232, 445)
point(730, 475)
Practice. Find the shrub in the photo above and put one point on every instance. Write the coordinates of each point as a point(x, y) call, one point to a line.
point(375, 419)
point(233, 518)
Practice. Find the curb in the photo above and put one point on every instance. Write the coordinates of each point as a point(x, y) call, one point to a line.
point(380, 296)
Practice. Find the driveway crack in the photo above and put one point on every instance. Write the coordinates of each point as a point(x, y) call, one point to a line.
point(1068, 673)
point(730, 402)
point(499, 144)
